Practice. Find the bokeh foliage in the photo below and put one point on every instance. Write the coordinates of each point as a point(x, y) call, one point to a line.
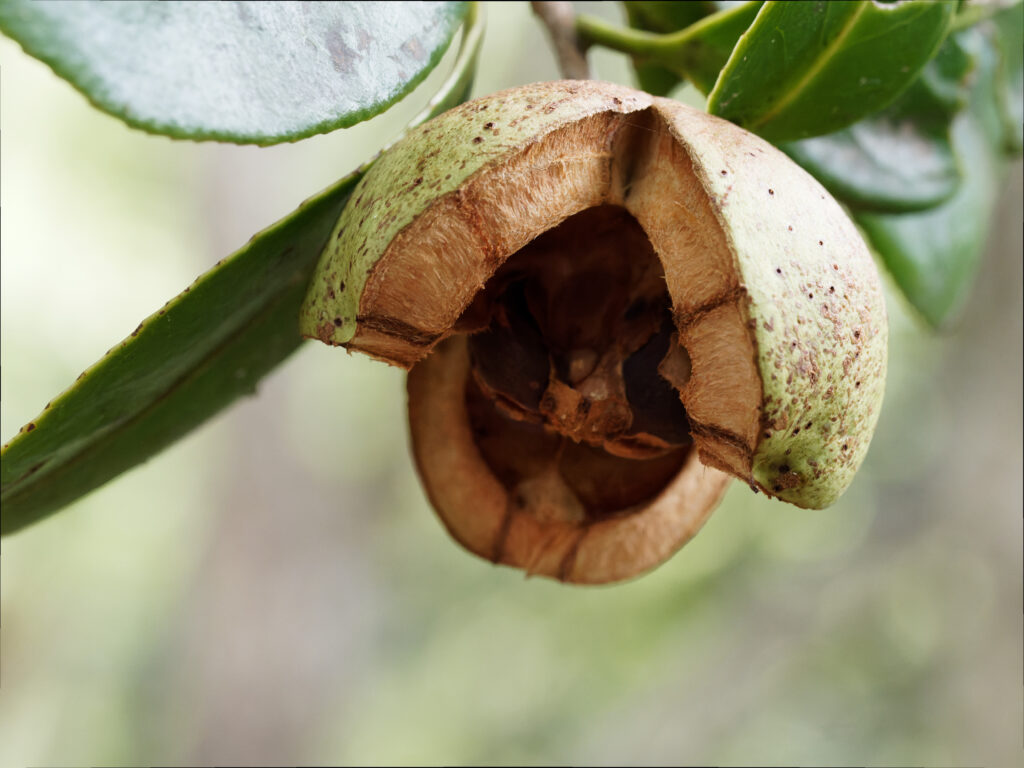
point(272, 591)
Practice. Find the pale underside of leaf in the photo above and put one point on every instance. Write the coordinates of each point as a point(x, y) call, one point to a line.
point(237, 71)
point(203, 350)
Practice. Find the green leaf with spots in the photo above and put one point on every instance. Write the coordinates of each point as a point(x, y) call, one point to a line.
point(806, 69)
point(241, 72)
point(207, 347)
point(934, 254)
point(900, 159)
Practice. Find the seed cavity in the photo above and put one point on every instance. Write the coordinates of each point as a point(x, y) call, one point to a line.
point(575, 363)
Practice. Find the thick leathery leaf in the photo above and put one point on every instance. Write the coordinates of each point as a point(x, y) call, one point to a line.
point(934, 254)
point(806, 69)
point(204, 349)
point(900, 159)
point(207, 347)
point(241, 72)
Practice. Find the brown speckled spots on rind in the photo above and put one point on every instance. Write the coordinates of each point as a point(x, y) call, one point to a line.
point(799, 320)
point(808, 341)
point(448, 167)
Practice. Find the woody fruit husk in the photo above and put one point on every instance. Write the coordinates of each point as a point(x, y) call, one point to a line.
point(610, 304)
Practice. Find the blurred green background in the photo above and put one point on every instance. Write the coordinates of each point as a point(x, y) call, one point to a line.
point(275, 589)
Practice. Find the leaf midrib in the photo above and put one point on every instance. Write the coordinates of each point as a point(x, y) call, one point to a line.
point(820, 62)
point(23, 485)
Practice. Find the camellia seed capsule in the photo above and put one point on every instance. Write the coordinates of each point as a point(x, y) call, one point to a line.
point(609, 303)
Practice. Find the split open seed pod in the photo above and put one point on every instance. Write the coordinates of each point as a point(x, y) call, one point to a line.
point(610, 303)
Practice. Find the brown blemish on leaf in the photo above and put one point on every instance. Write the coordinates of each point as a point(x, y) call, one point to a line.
point(414, 48)
point(343, 58)
point(364, 40)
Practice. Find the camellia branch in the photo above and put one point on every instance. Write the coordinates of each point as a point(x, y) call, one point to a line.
point(560, 20)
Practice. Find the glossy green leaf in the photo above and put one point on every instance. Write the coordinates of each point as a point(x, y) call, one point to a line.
point(204, 349)
point(900, 159)
point(696, 53)
point(207, 347)
point(806, 69)
point(933, 255)
point(242, 72)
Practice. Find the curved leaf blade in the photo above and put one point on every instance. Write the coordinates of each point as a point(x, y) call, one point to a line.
point(203, 350)
point(934, 254)
point(240, 72)
point(209, 346)
point(806, 69)
point(900, 159)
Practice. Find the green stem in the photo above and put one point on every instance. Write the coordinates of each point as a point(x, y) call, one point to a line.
point(595, 31)
point(688, 52)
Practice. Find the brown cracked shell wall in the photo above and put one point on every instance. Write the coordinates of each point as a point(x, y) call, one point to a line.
point(773, 301)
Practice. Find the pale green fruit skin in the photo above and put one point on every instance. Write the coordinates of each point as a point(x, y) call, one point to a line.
point(432, 161)
point(816, 311)
point(815, 305)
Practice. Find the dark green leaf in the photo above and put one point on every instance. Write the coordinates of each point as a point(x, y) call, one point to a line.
point(243, 72)
point(192, 358)
point(806, 69)
point(934, 254)
point(180, 366)
point(900, 159)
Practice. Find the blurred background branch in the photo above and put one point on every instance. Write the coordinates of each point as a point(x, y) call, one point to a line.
point(559, 19)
